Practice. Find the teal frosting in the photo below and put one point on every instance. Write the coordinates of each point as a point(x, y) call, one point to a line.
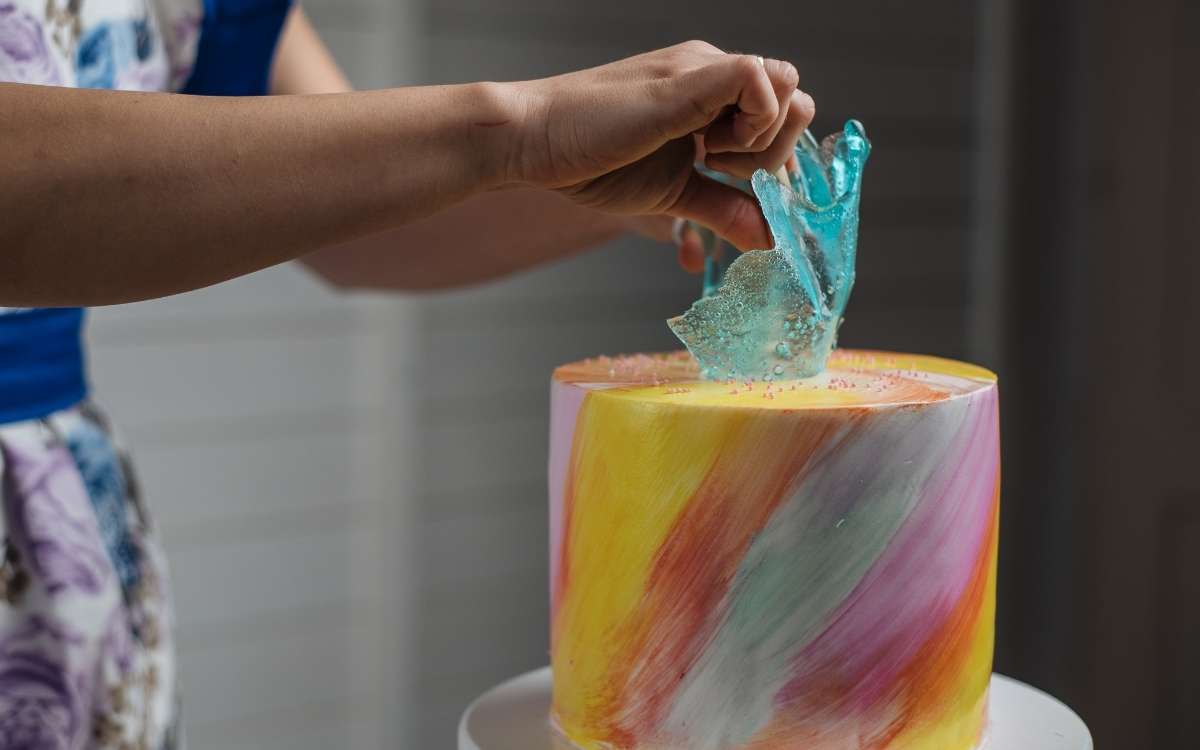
point(774, 314)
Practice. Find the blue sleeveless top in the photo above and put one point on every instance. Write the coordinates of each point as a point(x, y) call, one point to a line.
point(224, 48)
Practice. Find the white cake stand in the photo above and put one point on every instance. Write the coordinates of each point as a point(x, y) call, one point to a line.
point(512, 716)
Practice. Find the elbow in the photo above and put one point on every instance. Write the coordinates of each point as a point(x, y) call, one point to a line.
point(333, 282)
point(334, 276)
point(344, 278)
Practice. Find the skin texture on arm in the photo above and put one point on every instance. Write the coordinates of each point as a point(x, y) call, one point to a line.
point(487, 236)
point(116, 197)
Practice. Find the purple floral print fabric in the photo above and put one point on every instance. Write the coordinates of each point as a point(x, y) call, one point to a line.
point(25, 56)
point(136, 45)
point(50, 519)
point(85, 631)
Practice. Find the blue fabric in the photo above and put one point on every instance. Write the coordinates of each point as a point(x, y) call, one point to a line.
point(100, 468)
point(110, 47)
point(237, 44)
point(41, 362)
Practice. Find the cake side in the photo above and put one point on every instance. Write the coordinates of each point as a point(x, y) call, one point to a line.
point(815, 569)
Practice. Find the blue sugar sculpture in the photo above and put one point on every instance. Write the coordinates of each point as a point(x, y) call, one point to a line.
point(774, 314)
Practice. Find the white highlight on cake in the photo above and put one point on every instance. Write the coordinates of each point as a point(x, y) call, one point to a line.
point(802, 572)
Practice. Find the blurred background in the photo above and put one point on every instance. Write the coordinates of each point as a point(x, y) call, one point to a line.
point(352, 490)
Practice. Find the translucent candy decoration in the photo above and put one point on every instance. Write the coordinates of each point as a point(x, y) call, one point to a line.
point(774, 314)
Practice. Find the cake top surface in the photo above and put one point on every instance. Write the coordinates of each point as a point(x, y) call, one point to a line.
point(853, 378)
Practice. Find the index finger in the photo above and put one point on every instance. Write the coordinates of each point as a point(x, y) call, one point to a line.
point(724, 135)
point(758, 107)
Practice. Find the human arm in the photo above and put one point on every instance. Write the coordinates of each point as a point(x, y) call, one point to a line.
point(124, 196)
point(117, 196)
point(488, 235)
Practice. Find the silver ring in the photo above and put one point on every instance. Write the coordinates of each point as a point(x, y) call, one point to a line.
point(677, 231)
point(761, 62)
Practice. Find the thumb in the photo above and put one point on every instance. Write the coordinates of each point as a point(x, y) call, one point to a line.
point(729, 212)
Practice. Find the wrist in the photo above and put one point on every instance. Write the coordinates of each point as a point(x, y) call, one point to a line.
point(497, 120)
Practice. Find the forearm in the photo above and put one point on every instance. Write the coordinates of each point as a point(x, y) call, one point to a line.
point(485, 237)
point(113, 197)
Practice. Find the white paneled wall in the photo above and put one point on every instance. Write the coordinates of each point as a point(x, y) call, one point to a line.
point(269, 431)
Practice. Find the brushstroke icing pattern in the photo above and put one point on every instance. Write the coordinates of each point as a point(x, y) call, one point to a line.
point(806, 564)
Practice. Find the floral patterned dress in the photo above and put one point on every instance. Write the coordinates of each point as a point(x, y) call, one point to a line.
point(86, 657)
point(133, 45)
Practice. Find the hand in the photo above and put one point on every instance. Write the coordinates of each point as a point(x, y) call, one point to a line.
point(623, 138)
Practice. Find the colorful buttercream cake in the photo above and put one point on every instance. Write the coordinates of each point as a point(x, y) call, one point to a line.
point(791, 564)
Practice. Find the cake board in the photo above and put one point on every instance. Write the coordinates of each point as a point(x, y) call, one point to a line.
point(513, 716)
